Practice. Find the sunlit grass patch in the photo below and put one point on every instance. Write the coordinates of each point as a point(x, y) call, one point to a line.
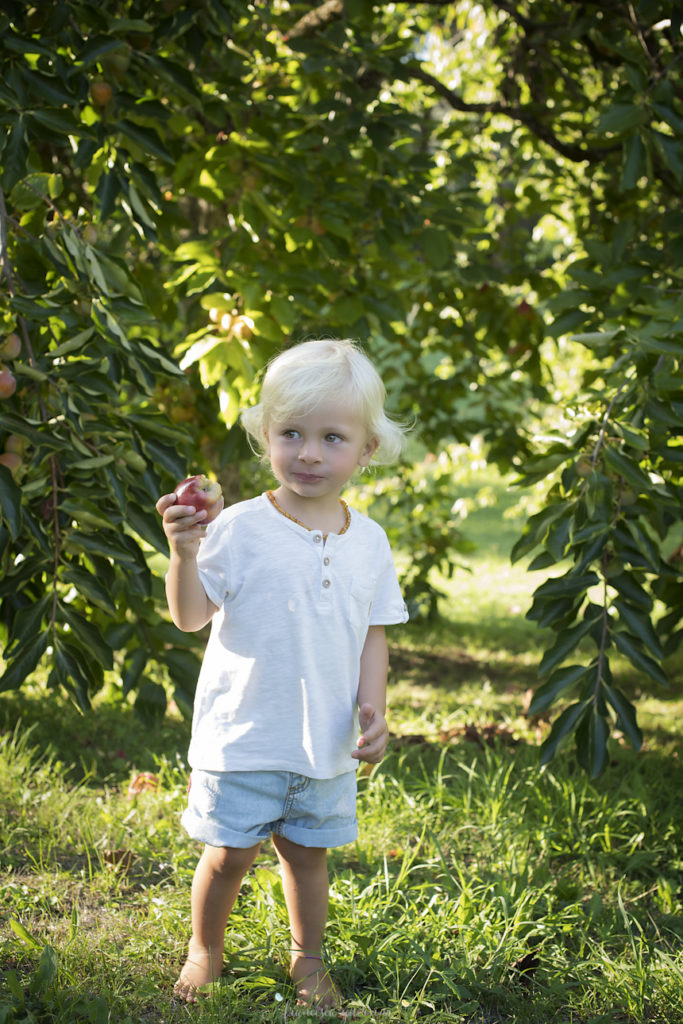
point(481, 889)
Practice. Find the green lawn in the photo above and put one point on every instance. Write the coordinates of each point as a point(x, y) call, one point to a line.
point(481, 889)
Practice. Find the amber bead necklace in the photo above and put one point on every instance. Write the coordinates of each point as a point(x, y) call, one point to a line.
point(347, 514)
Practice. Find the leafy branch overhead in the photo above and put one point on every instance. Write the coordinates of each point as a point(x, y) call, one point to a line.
point(185, 188)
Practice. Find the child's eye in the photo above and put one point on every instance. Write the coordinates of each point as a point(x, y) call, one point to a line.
point(290, 433)
point(334, 438)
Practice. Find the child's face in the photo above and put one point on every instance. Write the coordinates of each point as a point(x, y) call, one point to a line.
point(316, 454)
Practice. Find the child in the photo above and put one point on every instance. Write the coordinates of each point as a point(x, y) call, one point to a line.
point(299, 588)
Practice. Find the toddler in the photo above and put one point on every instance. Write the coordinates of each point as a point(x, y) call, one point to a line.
point(298, 587)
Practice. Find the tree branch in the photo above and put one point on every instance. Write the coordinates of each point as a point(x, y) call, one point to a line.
point(521, 114)
point(332, 10)
point(316, 19)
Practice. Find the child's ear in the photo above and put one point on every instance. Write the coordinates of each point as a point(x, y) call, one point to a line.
point(369, 450)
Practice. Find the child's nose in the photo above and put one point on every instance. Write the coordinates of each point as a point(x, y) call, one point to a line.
point(310, 451)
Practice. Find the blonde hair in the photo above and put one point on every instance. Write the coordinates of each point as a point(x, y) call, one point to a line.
point(306, 375)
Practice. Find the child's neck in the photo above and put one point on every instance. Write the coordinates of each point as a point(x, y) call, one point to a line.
point(327, 515)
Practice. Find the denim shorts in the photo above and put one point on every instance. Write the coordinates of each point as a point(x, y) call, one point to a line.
point(241, 809)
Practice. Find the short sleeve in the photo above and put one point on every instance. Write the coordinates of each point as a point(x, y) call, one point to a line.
point(213, 561)
point(388, 606)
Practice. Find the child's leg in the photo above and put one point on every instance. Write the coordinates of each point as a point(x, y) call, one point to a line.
point(305, 884)
point(215, 886)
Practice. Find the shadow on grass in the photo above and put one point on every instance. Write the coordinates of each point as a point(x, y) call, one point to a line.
point(452, 669)
point(109, 744)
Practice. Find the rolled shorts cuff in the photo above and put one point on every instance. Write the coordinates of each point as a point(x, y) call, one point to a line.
point(241, 809)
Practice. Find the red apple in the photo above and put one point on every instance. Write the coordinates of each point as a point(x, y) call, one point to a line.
point(11, 460)
point(202, 493)
point(10, 347)
point(8, 383)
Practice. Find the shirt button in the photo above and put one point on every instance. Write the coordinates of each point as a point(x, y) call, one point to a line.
point(326, 560)
point(317, 538)
point(326, 583)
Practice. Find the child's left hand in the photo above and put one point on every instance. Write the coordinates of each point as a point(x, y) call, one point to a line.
point(374, 737)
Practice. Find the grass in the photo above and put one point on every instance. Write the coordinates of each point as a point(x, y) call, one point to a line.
point(481, 890)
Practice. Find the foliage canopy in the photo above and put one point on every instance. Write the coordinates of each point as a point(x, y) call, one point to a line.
point(474, 190)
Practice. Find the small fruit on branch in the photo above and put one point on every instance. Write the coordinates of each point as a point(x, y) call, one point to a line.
point(10, 347)
point(8, 383)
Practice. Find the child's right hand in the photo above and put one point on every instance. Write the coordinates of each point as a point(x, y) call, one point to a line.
point(183, 525)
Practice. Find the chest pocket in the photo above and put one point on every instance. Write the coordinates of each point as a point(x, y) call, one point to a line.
point(361, 595)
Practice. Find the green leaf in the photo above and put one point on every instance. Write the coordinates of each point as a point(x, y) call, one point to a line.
point(629, 470)
point(671, 151)
point(15, 155)
point(597, 339)
point(630, 590)
point(108, 188)
point(21, 45)
point(630, 649)
point(90, 587)
point(646, 544)
point(27, 625)
point(72, 344)
point(548, 612)
point(347, 310)
point(634, 546)
point(634, 438)
point(591, 742)
point(150, 702)
point(146, 138)
point(620, 117)
point(640, 626)
point(536, 529)
point(96, 47)
point(670, 116)
point(21, 668)
point(148, 526)
point(183, 667)
point(48, 968)
point(89, 635)
point(10, 502)
point(70, 672)
point(626, 715)
point(565, 644)
point(135, 666)
point(113, 548)
point(558, 682)
point(634, 164)
point(557, 540)
point(561, 729)
point(436, 245)
point(568, 585)
point(24, 935)
point(60, 121)
point(33, 190)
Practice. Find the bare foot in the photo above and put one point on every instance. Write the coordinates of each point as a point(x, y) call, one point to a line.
point(200, 970)
point(314, 986)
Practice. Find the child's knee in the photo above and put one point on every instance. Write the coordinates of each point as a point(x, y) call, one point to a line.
point(296, 855)
point(230, 860)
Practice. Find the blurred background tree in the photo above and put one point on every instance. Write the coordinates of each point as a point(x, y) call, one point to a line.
point(477, 192)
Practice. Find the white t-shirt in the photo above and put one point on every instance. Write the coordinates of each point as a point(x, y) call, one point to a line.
point(279, 680)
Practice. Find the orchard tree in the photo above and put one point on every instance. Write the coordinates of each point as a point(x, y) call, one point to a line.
point(461, 186)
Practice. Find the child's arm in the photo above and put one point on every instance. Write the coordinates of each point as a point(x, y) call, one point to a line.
point(372, 697)
point(188, 604)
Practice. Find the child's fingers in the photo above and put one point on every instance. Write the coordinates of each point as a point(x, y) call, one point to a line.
point(372, 752)
point(164, 502)
point(366, 713)
point(373, 741)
